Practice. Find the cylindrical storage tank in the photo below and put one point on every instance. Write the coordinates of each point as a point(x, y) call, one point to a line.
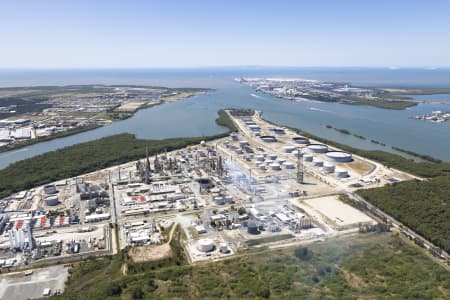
point(338, 156)
point(243, 143)
point(205, 245)
point(295, 153)
point(223, 248)
point(238, 151)
point(287, 149)
point(259, 157)
point(51, 200)
point(289, 165)
point(281, 161)
point(268, 138)
point(50, 189)
point(341, 173)
point(262, 167)
point(328, 167)
point(252, 228)
point(234, 137)
point(275, 166)
point(308, 158)
point(268, 161)
point(317, 148)
point(317, 162)
point(300, 140)
point(272, 156)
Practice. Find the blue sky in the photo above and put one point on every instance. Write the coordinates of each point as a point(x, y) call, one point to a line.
point(192, 33)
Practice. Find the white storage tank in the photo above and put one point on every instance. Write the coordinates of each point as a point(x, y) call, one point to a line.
point(51, 200)
point(287, 149)
point(317, 162)
point(296, 152)
point(317, 148)
point(281, 161)
point(259, 157)
point(338, 156)
point(272, 156)
point(262, 167)
point(223, 248)
point(205, 245)
point(328, 167)
point(268, 161)
point(341, 173)
point(268, 138)
point(300, 140)
point(275, 166)
point(308, 158)
point(289, 165)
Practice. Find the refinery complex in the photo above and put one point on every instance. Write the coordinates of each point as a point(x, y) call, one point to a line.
point(263, 185)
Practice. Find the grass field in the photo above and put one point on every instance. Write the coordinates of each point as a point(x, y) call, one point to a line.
point(371, 266)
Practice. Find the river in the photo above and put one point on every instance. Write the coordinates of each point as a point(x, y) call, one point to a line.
point(195, 116)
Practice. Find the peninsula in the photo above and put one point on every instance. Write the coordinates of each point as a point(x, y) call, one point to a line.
point(34, 114)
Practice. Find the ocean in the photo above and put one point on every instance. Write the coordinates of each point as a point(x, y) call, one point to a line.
point(195, 116)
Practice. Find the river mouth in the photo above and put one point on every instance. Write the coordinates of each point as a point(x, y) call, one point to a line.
point(196, 116)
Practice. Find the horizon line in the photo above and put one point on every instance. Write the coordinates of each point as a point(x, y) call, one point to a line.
point(431, 68)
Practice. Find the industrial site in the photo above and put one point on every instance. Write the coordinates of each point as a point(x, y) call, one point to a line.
point(28, 114)
point(263, 185)
point(298, 89)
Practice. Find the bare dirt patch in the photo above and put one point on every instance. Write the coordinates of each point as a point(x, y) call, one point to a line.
point(359, 167)
point(150, 253)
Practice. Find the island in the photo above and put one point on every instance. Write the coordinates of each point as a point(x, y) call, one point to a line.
point(297, 89)
point(34, 114)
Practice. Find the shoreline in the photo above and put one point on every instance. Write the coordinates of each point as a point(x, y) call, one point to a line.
point(114, 116)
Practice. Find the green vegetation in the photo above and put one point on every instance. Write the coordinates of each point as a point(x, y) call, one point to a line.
point(225, 120)
point(359, 136)
point(87, 157)
point(377, 142)
point(343, 131)
point(241, 112)
point(69, 132)
point(346, 131)
point(380, 103)
point(395, 91)
point(114, 115)
point(82, 158)
point(372, 266)
point(423, 169)
point(415, 154)
point(423, 206)
point(270, 239)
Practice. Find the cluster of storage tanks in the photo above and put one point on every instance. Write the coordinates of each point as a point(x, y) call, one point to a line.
point(208, 245)
point(271, 161)
point(51, 199)
point(330, 157)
